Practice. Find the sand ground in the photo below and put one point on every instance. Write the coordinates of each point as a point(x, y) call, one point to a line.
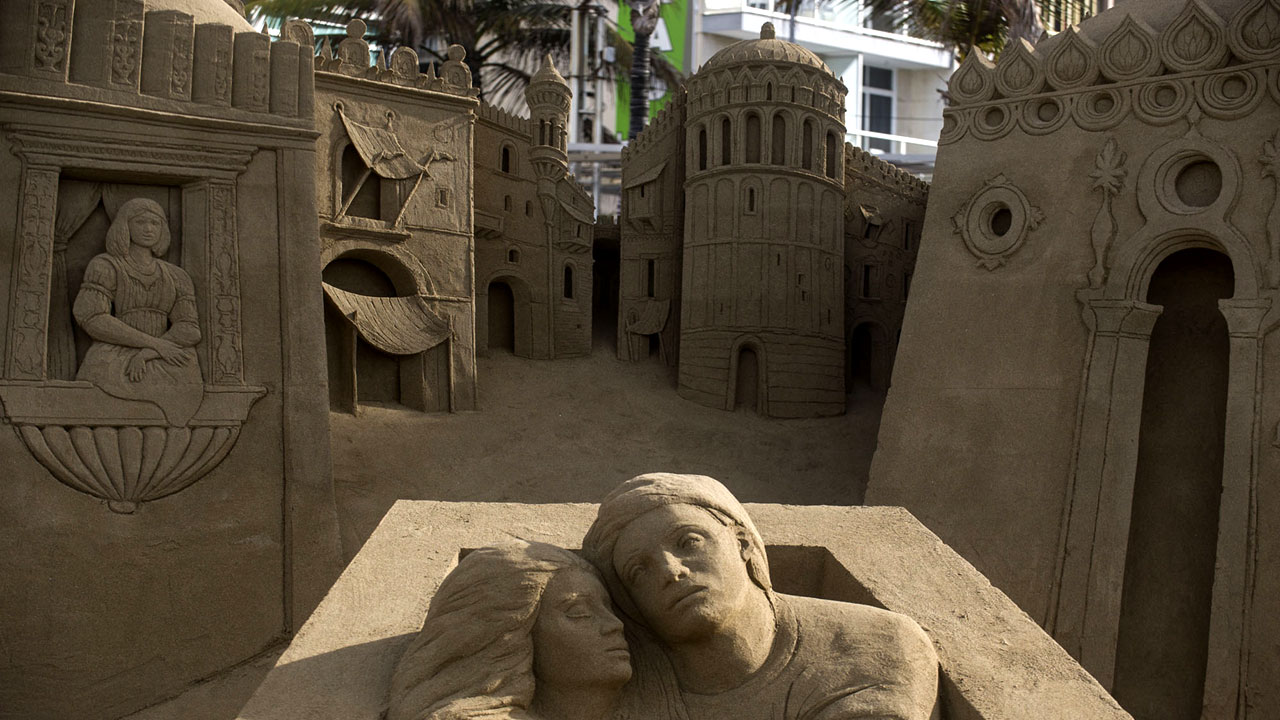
point(563, 431)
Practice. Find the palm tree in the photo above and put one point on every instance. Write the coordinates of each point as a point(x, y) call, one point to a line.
point(988, 25)
point(505, 40)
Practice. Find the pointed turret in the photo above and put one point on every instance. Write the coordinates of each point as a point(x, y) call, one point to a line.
point(548, 98)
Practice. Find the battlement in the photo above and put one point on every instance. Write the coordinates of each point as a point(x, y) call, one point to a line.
point(669, 119)
point(860, 164)
point(116, 52)
point(352, 59)
point(497, 116)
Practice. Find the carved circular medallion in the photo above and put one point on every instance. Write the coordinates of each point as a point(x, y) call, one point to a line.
point(1163, 102)
point(994, 121)
point(1102, 109)
point(1231, 95)
point(995, 222)
point(1044, 115)
point(1189, 182)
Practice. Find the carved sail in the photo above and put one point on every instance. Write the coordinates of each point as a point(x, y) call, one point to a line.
point(381, 150)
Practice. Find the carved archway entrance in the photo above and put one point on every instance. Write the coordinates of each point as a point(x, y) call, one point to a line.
point(1162, 642)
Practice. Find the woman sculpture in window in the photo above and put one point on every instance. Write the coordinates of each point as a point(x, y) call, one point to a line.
point(141, 313)
point(520, 632)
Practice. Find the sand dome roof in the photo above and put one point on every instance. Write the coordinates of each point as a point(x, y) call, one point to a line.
point(765, 49)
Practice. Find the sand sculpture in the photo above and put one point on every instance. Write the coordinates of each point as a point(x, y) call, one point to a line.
point(198, 215)
point(736, 260)
point(526, 629)
point(527, 626)
point(1085, 401)
point(168, 509)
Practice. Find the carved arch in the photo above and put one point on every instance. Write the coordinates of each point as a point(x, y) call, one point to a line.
point(756, 345)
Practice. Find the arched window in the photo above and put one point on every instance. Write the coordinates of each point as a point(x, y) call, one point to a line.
point(806, 149)
point(832, 157)
point(768, 91)
point(726, 140)
point(702, 148)
point(513, 256)
point(528, 207)
point(542, 132)
point(506, 159)
point(506, 203)
point(568, 281)
point(778, 149)
point(753, 138)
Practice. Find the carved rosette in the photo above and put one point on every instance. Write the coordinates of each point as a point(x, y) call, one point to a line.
point(995, 222)
point(1108, 177)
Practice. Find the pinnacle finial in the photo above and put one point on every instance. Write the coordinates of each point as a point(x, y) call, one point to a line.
point(767, 31)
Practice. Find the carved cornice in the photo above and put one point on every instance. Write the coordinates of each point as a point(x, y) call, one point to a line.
point(96, 149)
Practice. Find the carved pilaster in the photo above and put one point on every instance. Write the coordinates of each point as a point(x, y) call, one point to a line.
point(33, 266)
point(226, 345)
point(52, 38)
point(1271, 168)
point(211, 76)
point(108, 44)
point(1108, 176)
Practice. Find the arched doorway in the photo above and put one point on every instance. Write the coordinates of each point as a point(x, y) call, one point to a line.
point(358, 372)
point(1166, 600)
point(502, 317)
point(858, 370)
point(746, 390)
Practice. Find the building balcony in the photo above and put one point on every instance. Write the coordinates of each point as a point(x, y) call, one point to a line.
point(824, 29)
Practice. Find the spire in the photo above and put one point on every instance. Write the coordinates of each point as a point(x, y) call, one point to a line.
point(548, 73)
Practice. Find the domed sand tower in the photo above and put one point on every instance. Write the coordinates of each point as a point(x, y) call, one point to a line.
point(763, 287)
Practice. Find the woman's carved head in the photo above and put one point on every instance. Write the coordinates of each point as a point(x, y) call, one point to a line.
point(139, 221)
point(506, 621)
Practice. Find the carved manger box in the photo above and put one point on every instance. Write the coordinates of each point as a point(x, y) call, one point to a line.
point(995, 661)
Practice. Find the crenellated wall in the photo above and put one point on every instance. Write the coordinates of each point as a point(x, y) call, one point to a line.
point(884, 215)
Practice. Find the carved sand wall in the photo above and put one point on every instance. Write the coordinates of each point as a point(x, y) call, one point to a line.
point(169, 509)
point(534, 227)
point(883, 216)
point(394, 193)
point(1071, 177)
point(652, 238)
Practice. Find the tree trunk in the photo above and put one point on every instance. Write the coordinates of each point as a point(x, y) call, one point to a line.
point(644, 20)
point(639, 84)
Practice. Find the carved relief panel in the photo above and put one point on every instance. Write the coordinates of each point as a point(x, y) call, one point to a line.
point(125, 372)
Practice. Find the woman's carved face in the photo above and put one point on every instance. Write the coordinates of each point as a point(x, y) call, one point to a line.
point(146, 229)
point(577, 640)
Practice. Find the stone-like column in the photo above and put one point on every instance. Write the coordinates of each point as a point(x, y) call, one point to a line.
point(33, 268)
point(1092, 580)
point(1229, 616)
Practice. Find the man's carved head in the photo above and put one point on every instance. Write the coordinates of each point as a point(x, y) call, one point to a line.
point(678, 552)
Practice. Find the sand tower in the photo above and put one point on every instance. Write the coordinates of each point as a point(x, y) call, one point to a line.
point(763, 288)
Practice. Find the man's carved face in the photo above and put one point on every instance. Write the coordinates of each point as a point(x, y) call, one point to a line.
point(685, 571)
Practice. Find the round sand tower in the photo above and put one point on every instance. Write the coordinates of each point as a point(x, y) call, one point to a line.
point(763, 285)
